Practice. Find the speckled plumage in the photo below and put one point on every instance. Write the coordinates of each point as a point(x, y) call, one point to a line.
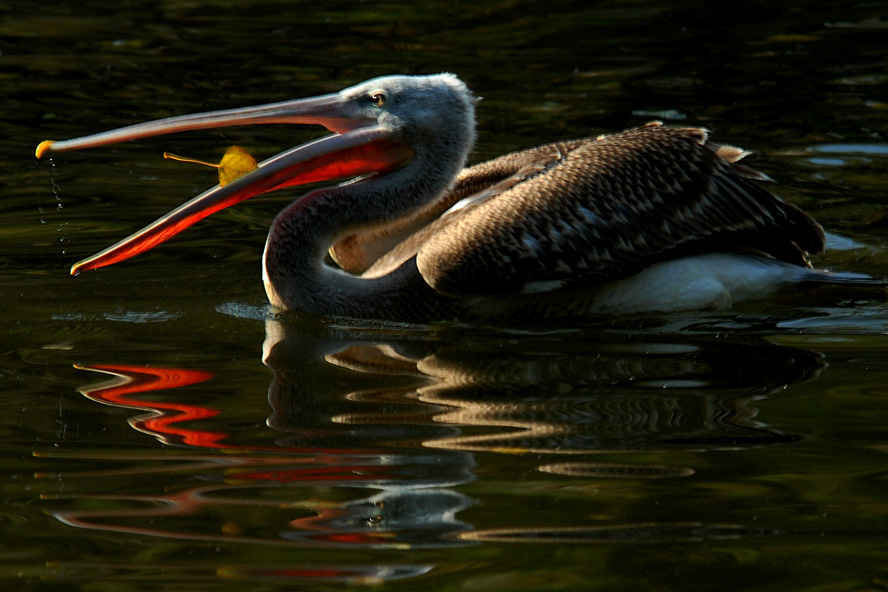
point(604, 208)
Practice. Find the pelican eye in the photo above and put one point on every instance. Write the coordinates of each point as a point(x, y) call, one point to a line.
point(377, 97)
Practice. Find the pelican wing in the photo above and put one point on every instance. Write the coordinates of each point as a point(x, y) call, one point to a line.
point(476, 185)
point(579, 213)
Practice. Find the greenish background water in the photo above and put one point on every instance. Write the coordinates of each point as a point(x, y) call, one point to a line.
point(235, 450)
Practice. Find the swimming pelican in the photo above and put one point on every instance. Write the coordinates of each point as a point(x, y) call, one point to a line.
point(653, 218)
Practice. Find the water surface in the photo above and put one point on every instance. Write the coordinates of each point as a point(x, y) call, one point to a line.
point(163, 430)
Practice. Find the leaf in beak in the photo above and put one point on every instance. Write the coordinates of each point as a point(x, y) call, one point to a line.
point(236, 163)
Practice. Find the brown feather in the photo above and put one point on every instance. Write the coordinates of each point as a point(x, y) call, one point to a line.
point(475, 185)
point(606, 208)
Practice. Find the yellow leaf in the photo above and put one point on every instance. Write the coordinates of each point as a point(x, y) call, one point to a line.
point(236, 163)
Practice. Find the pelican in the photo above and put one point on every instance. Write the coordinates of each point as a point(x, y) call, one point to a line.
point(653, 218)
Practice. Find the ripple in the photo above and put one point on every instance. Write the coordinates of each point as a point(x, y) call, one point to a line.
point(240, 310)
point(669, 114)
point(615, 471)
point(352, 574)
point(860, 320)
point(874, 149)
point(845, 154)
point(130, 316)
point(639, 533)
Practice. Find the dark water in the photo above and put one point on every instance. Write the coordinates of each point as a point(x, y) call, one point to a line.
point(160, 430)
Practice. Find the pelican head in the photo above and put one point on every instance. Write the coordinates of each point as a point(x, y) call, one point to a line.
point(414, 124)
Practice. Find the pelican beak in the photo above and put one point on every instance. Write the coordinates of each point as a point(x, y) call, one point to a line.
point(358, 146)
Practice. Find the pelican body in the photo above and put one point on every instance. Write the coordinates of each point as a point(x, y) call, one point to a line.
point(653, 218)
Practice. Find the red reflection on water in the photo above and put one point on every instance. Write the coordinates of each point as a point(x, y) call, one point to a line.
point(244, 469)
point(130, 380)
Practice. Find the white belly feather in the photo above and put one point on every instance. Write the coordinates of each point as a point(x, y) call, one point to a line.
point(714, 281)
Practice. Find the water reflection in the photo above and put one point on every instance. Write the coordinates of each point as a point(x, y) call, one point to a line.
point(846, 154)
point(161, 416)
point(409, 512)
point(376, 436)
point(648, 393)
point(540, 395)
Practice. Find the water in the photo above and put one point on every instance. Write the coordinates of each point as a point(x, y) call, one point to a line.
point(163, 430)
